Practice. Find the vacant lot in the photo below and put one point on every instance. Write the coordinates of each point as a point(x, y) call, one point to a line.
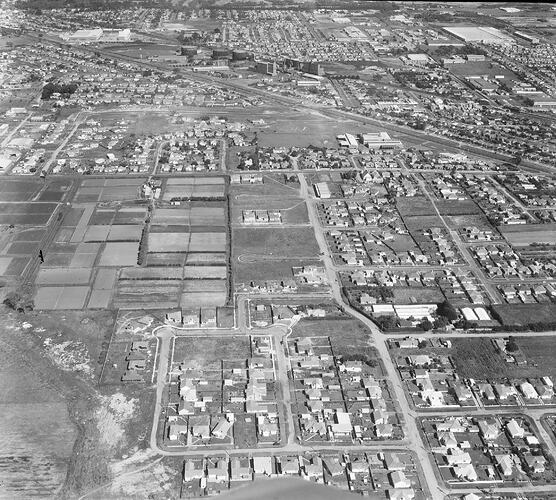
point(479, 221)
point(30, 214)
point(524, 235)
point(61, 297)
point(422, 222)
point(119, 254)
point(421, 295)
point(457, 207)
point(275, 243)
point(61, 276)
point(415, 205)
point(293, 210)
point(19, 190)
point(348, 336)
point(478, 358)
point(207, 349)
point(203, 299)
point(525, 314)
point(194, 188)
point(269, 269)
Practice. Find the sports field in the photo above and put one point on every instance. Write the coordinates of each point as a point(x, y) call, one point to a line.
point(194, 188)
point(525, 234)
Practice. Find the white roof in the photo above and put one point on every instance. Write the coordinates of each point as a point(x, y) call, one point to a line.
point(469, 314)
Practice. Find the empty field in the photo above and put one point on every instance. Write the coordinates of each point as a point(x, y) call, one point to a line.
point(415, 205)
point(207, 242)
point(61, 297)
point(293, 210)
point(478, 358)
point(208, 349)
point(525, 314)
point(199, 285)
point(274, 243)
point(348, 336)
point(168, 242)
point(193, 216)
point(410, 295)
point(187, 242)
point(526, 234)
point(155, 273)
point(206, 258)
point(119, 254)
point(93, 190)
point(99, 299)
point(457, 207)
point(194, 188)
point(30, 214)
point(19, 190)
point(202, 299)
point(62, 276)
point(206, 272)
point(105, 279)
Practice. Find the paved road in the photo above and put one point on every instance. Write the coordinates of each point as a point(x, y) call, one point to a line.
point(411, 431)
point(164, 336)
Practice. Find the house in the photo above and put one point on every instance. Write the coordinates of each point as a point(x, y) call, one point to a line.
point(313, 469)
point(380, 417)
point(514, 429)
point(487, 392)
point(408, 343)
point(453, 424)
point(342, 424)
point(175, 431)
point(174, 317)
point(504, 392)
point(333, 467)
point(193, 470)
point(401, 494)
point(419, 360)
point(465, 471)
point(535, 463)
point(457, 456)
point(201, 429)
point(240, 470)
point(505, 464)
point(435, 398)
point(528, 390)
point(489, 431)
point(262, 466)
point(290, 466)
point(218, 472)
point(222, 428)
point(392, 462)
point(447, 439)
point(384, 430)
point(398, 480)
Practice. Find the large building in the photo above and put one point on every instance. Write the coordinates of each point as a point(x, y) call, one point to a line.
point(311, 67)
point(484, 34)
point(266, 67)
point(83, 36)
point(380, 141)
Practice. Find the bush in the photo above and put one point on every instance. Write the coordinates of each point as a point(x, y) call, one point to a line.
point(447, 310)
point(19, 302)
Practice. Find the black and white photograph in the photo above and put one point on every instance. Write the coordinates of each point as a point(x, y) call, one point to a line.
point(277, 250)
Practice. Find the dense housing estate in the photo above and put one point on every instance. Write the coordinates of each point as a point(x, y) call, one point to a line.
point(310, 243)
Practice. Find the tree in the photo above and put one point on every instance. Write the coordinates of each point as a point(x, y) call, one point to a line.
point(426, 325)
point(441, 322)
point(512, 346)
point(447, 310)
point(386, 322)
